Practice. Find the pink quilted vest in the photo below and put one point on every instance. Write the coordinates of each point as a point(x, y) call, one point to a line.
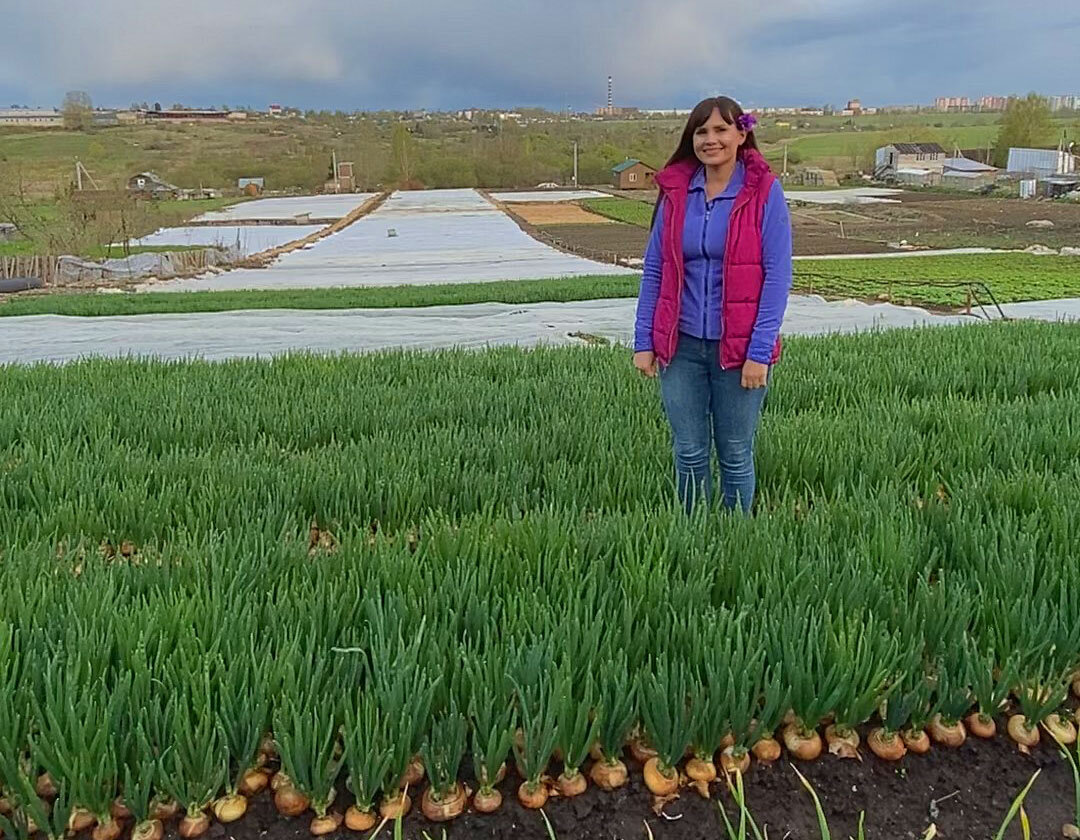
point(744, 273)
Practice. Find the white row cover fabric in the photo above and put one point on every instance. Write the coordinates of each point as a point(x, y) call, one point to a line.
point(242, 239)
point(855, 195)
point(265, 333)
point(315, 206)
point(415, 238)
point(904, 254)
point(547, 195)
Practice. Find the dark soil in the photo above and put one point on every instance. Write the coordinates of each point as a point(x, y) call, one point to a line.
point(617, 237)
point(965, 792)
point(813, 241)
point(810, 238)
point(937, 220)
point(940, 221)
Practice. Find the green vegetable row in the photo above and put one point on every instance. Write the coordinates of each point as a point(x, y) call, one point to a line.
point(476, 559)
point(1009, 277)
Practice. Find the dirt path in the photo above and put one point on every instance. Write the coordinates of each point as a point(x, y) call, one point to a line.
point(264, 258)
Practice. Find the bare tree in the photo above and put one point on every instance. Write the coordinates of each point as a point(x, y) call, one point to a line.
point(78, 110)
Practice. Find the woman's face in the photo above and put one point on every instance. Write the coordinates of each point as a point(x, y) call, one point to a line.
point(717, 142)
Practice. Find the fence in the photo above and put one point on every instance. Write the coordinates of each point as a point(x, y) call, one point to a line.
point(74, 272)
point(47, 269)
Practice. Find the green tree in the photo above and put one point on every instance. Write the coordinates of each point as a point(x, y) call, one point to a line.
point(1026, 123)
point(402, 145)
point(77, 110)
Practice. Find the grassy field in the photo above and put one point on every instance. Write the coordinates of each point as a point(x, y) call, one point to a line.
point(398, 554)
point(855, 149)
point(295, 154)
point(875, 122)
point(188, 156)
point(1010, 277)
point(848, 143)
point(66, 226)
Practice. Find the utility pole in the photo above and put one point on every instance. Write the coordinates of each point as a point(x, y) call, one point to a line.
point(785, 159)
point(81, 170)
point(337, 182)
point(575, 163)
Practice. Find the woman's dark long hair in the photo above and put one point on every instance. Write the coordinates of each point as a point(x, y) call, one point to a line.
point(730, 111)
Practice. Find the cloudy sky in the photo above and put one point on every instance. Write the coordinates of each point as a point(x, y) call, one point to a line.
point(369, 54)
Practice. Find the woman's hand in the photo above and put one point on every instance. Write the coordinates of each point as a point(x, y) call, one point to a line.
point(754, 374)
point(645, 361)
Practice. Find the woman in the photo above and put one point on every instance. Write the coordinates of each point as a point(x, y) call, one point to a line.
point(715, 286)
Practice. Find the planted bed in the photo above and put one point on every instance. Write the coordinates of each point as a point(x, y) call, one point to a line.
point(464, 571)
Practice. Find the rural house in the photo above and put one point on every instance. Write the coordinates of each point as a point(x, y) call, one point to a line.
point(965, 174)
point(632, 174)
point(910, 163)
point(147, 183)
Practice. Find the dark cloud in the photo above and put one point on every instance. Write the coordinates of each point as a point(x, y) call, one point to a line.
point(557, 53)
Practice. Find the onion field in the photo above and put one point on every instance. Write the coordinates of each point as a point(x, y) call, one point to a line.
point(446, 581)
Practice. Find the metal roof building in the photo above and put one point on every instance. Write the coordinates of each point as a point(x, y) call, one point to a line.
point(918, 148)
point(962, 164)
point(1041, 162)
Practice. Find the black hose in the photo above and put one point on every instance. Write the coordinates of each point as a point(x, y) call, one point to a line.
point(9, 285)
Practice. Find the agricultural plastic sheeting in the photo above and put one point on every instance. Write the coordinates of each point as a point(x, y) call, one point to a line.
point(264, 333)
point(75, 270)
point(856, 195)
point(316, 206)
point(243, 239)
point(1066, 309)
point(416, 238)
point(547, 195)
point(931, 252)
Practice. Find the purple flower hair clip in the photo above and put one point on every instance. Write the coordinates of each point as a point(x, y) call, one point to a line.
point(746, 122)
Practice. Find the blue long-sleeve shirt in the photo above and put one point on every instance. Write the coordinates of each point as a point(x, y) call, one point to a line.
point(704, 238)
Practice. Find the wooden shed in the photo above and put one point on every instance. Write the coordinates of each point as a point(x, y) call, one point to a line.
point(632, 174)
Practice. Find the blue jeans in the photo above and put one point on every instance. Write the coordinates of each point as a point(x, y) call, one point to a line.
point(704, 403)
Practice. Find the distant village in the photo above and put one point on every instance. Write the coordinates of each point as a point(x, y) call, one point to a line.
point(1047, 173)
point(144, 113)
